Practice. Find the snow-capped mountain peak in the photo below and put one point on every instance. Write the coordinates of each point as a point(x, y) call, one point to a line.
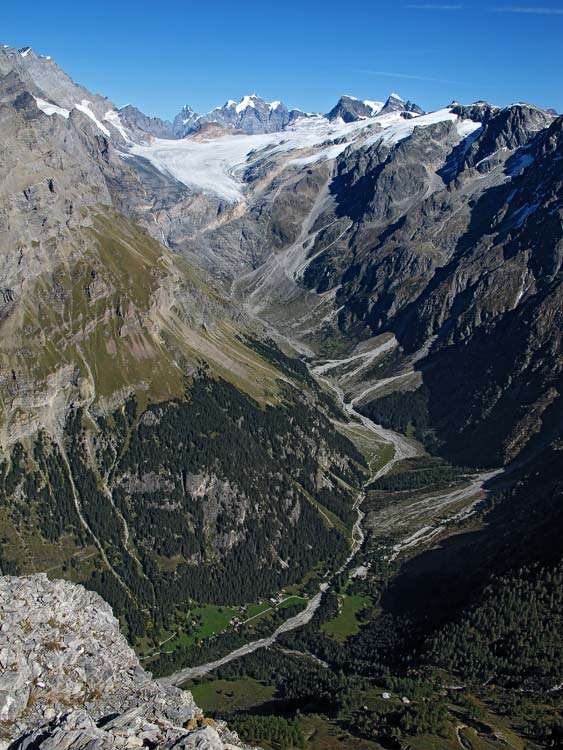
point(350, 108)
point(247, 101)
point(251, 115)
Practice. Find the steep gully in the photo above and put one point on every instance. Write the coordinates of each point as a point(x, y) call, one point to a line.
point(403, 449)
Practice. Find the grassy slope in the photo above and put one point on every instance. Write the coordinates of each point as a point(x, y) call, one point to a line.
point(122, 313)
point(230, 695)
point(346, 623)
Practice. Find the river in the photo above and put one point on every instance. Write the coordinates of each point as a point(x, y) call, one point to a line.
point(403, 449)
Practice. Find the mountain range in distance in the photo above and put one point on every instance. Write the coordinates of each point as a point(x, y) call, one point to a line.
point(285, 390)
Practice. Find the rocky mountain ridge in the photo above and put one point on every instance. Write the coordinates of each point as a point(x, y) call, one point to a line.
point(414, 258)
point(57, 93)
point(350, 109)
point(114, 346)
point(250, 115)
point(253, 115)
point(69, 679)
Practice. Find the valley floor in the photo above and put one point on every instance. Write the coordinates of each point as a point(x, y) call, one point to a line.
point(393, 526)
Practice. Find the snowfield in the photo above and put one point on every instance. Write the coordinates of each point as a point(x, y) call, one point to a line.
point(397, 129)
point(217, 165)
point(51, 109)
point(85, 107)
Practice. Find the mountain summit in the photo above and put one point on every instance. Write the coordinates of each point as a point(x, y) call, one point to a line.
point(350, 109)
point(251, 115)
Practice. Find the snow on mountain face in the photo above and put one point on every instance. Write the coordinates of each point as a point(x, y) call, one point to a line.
point(55, 93)
point(375, 107)
point(251, 115)
point(113, 118)
point(399, 129)
point(350, 109)
point(245, 103)
point(85, 106)
point(217, 165)
point(51, 109)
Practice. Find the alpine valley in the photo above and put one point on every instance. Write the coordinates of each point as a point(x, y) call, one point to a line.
point(280, 423)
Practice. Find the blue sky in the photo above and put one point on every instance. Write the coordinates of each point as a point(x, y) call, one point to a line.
point(159, 56)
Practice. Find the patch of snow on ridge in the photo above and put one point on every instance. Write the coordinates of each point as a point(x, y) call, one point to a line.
point(328, 153)
point(396, 128)
point(374, 106)
point(245, 103)
point(84, 107)
point(113, 118)
point(51, 109)
point(467, 127)
point(520, 162)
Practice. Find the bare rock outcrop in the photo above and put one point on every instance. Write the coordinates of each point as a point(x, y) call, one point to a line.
point(69, 679)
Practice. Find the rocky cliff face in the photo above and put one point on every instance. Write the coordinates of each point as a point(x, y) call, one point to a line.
point(350, 109)
point(463, 267)
point(68, 678)
point(112, 346)
point(444, 229)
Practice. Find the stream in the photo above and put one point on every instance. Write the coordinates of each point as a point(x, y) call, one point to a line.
point(403, 449)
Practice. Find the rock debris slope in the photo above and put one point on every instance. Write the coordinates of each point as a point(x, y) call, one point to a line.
point(68, 678)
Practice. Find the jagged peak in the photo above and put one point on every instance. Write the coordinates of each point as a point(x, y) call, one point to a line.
point(247, 101)
point(526, 105)
point(251, 114)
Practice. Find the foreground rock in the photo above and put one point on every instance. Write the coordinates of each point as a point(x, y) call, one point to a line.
point(68, 678)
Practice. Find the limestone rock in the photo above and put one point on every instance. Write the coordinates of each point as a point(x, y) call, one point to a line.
point(69, 679)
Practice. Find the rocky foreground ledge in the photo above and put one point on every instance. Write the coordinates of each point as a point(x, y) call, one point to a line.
point(70, 681)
